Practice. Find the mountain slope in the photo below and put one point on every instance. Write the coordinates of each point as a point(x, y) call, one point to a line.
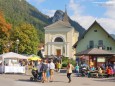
point(18, 11)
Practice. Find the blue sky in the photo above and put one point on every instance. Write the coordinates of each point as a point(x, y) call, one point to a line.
point(85, 12)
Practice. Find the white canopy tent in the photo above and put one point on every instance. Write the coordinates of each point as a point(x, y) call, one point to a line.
point(13, 55)
point(11, 68)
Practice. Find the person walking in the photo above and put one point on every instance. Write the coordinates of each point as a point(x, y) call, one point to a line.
point(52, 67)
point(77, 70)
point(69, 71)
point(58, 66)
point(48, 71)
point(43, 69)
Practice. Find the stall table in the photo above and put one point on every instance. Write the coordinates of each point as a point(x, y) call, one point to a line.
point(14, 69)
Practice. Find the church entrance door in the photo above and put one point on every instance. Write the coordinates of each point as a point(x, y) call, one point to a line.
point(58, 51)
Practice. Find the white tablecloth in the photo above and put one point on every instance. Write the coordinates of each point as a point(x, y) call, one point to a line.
point(14, 69)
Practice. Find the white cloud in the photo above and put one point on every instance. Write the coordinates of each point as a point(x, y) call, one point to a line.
point(49, 12)
point(77, 9)
point(107, 23)
point(110, 12)
point(106, 3)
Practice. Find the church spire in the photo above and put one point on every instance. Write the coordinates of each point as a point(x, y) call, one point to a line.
point(65, 17)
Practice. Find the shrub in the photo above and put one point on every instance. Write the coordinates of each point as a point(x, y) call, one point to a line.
point(64, 65)
point(65, 61)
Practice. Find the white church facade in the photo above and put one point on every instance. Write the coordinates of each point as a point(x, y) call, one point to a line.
point(60, 37)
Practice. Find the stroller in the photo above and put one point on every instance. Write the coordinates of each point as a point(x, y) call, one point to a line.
point(36, 76)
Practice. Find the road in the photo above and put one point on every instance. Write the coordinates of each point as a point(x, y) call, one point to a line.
point(60, 80)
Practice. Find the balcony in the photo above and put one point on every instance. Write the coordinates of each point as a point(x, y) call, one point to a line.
point(101, 47)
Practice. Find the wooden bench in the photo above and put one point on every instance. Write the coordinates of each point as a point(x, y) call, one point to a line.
point(94, 75)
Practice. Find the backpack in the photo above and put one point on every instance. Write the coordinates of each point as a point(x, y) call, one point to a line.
point(44, 67)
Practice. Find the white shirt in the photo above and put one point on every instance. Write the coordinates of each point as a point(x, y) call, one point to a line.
point(69, 70)
point(52, 65)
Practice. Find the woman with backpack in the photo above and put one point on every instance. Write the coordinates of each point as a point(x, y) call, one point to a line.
point(43, 69)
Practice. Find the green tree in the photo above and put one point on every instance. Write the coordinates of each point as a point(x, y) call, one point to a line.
point(4, 33)
point(28, 38)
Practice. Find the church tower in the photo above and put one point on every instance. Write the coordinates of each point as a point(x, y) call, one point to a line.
point(60, 37)
point(65, 17)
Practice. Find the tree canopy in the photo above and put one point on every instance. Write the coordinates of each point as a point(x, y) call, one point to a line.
point(28, 38)
point(4, 33)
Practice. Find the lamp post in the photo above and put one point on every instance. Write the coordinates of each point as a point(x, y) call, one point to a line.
point(8, 47)
point(17, 42)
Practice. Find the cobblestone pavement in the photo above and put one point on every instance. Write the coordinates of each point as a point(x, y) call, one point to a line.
point(60, 80)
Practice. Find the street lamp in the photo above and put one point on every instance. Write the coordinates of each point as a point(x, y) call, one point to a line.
point(17, 42)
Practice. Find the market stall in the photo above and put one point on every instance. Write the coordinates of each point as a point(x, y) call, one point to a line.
point(33, 60)
point(96, 57)
point(9, 63)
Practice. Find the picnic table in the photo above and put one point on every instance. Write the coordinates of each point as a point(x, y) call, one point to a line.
point(95, 74)
point(92, 74)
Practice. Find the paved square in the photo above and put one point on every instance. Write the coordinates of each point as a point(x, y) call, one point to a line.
point(60, 80)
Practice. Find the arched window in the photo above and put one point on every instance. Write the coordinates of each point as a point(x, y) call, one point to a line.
point(58, 39)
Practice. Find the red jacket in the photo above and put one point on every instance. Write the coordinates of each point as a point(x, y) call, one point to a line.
point(108, 71)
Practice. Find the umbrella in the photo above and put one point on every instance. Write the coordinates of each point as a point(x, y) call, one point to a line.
point(34, 58)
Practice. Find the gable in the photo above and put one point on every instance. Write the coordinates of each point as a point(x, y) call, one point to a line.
point(95, 31)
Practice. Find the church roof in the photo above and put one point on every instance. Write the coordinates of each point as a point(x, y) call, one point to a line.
point(58, 24)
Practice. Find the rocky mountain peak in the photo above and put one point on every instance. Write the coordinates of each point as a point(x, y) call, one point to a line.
point(58, 16)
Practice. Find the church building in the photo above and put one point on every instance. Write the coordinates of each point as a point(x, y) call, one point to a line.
point(60, 37)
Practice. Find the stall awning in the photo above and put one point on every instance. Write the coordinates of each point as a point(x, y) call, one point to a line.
point(12, 55)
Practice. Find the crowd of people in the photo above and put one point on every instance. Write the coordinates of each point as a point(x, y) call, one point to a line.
point(100, 71)
point(45, 70)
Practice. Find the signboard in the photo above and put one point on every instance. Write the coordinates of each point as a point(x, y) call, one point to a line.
point(101, 59)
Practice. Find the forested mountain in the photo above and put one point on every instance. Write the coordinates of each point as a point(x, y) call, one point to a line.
point(19, 11)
